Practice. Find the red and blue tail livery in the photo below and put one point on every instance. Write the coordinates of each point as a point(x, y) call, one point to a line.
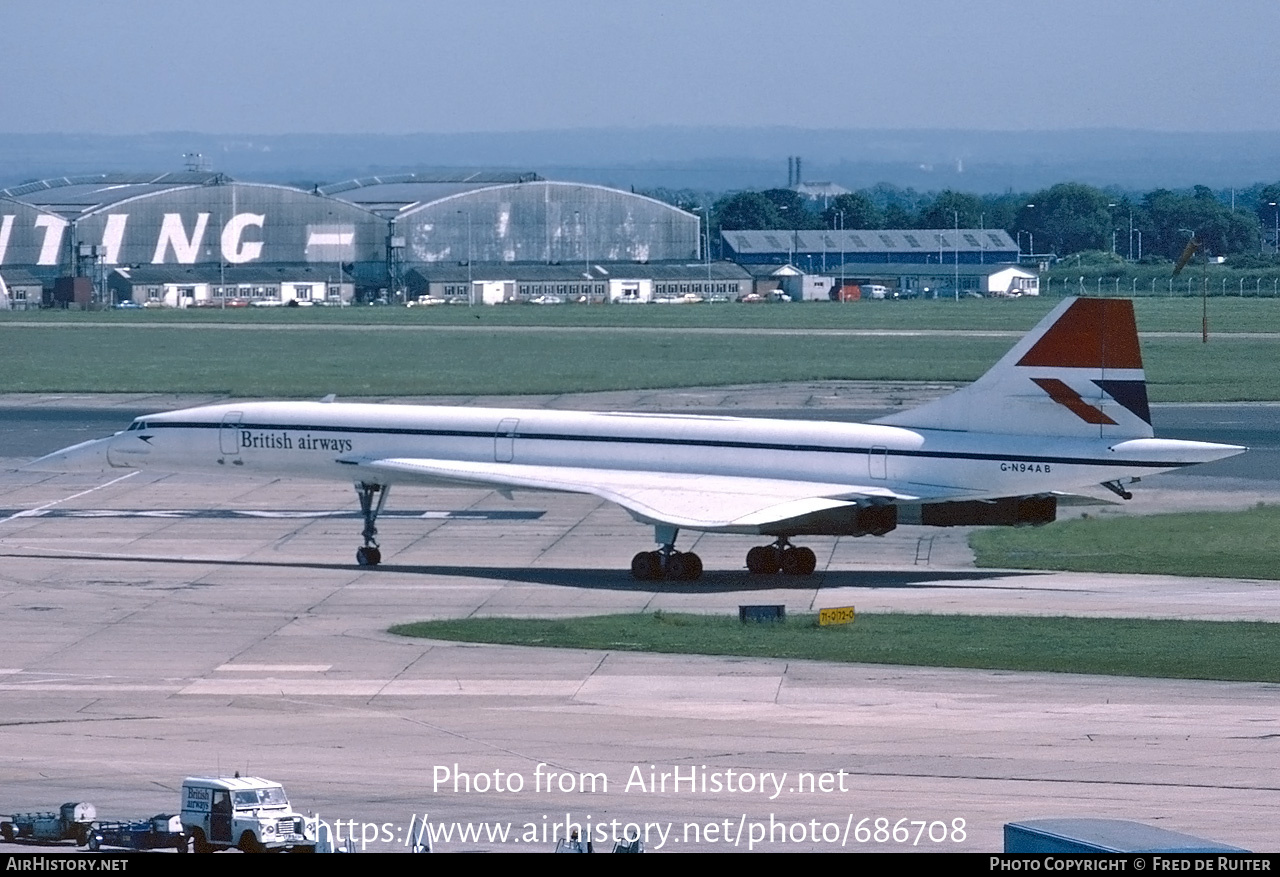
point(1076, 374)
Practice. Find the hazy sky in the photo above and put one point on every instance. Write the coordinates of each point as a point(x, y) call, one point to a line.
point(402, 66)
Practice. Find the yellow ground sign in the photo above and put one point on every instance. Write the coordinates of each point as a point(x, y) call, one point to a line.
point(835, 615)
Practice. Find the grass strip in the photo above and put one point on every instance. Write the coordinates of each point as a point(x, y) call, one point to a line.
point(1237, 545)
point(1234, 651)
point(1154, 314)
point(359, 362)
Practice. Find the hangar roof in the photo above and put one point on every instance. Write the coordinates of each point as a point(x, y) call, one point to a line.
point(869, 240)
point(74, 196)
point(899, 269)
point(392, 193)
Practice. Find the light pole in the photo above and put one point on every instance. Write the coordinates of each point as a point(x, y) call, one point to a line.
point(956, 251)
point(791, 244)
point(1031, 238)
point(1275, 241)
point(337, 259)
point(706, 253)
point(840, 294)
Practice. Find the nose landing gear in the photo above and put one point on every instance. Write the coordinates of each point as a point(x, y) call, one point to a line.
point(370, 554)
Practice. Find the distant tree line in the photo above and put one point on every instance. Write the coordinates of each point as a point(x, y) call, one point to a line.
point(1064, 219)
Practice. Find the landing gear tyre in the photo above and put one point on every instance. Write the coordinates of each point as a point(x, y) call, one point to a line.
point(198, 842)
point(684, 567)
point(762, 560)
point(368, 556)
point(799, 561)
point(646, 566)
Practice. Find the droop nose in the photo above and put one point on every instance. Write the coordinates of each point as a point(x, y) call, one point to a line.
point(87, 456)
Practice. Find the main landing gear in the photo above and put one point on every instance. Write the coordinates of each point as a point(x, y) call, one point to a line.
point(666, 562)
point(370, 554)
point(685, 566)
point(783, 557)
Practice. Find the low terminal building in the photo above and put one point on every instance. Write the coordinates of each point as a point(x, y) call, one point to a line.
point(854, 281)
point(239, 286)
point(20, 290)
point(942, 281)
point(626, 282)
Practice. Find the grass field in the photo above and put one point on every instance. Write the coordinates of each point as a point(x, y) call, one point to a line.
point(1178, 314)
point(1238, 545)
point(1240, 651)
point(342, 350)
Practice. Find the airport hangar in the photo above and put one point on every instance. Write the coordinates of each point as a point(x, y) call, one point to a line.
point(142, 236)
point(201, 238)
point(814, 264)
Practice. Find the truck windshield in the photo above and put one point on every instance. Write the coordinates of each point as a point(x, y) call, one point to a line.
point(273, 797)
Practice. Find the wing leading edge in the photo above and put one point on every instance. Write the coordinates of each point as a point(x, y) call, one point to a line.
point(720, 503)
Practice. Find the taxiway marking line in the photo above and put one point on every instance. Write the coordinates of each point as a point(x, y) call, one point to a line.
point(28, 512)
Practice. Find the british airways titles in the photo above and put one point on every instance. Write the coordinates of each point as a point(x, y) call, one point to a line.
point(282, 441)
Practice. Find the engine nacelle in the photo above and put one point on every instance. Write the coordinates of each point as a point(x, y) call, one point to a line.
point(863, 520)
point(1008, 511)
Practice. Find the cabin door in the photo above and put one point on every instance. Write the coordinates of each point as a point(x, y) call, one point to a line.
point(878, 462)
point(229, 434)
point(504, 441)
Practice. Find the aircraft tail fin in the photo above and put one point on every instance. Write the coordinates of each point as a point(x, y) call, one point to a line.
point(1077, 374)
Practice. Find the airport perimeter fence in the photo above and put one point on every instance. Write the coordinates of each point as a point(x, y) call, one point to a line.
point(1185, 285)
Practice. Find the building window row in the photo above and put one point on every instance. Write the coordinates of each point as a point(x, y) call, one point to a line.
point(533, 290)
point(699, 288)
point(240, 291)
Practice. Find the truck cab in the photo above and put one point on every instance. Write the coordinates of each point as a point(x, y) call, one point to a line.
point(249, 813)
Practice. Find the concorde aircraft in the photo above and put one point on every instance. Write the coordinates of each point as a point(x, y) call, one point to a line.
point(1065, 408)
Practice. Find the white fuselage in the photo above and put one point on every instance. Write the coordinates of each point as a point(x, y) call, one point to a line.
point(325, 441)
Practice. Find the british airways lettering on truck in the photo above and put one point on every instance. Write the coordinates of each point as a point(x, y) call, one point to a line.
point(1065, 408)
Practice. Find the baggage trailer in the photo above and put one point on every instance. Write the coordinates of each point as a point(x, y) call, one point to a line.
point(71, 822)
point(162, 832)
